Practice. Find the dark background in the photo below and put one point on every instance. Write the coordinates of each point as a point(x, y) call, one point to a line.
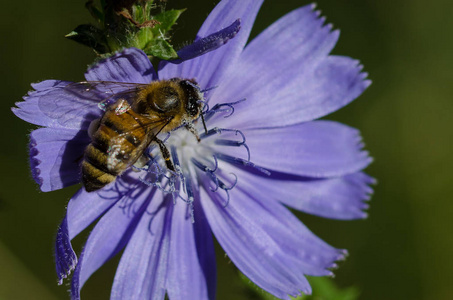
point(402, 251)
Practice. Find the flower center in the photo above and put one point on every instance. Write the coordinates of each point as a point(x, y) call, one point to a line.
point(187, 147)
point(196, 162)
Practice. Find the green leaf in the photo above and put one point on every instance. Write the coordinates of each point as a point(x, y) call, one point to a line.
point(161, 49)
point(167, 19)
point(323, 289)
point(90, 36)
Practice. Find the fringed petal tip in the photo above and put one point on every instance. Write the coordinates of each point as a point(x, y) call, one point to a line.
point(362, 76)
point(46, 85)
point(35, 162)
point(365, 182)
point(342, 255)
point(75, 282)
point(366, 193)
point(55, 154)
point(65, 257)
point(30, 111)
point(366, 82)
point(332, 263)
point(306, 290)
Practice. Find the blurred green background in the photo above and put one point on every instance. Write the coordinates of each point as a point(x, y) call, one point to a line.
point(402, 251)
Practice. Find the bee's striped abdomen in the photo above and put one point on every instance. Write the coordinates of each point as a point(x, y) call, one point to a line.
point(117, 143)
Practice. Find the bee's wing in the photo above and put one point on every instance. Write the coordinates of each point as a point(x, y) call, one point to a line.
point(152, 127)
point(69, 102)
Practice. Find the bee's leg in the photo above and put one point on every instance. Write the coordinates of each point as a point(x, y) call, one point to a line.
point(193, 130)
point(165, 154)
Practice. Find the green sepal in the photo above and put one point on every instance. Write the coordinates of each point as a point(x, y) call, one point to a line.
point(89, 35)
point(152, 40)
point(167, 19)
point(160, 48)
point(142, 13)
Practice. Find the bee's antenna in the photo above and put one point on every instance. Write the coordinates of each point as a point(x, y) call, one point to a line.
point(193, 84)
point(209, 89)
point(204, 124)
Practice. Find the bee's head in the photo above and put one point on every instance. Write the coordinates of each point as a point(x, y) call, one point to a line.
point(193, 96)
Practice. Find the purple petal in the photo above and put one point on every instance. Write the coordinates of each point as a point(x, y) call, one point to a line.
point(342, 198)
point(206, 44)
point(109, 236)
point(29, 110)
point(142, 271)
point(297, 81)
point(315, 149)
point(130, 65)
point(84, 208)
point(267, 243)
point(192, 271)
point(55, 154)
point(209, 68)
point(65, 257)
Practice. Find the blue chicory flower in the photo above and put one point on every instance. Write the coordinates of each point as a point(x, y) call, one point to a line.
point(259, 155)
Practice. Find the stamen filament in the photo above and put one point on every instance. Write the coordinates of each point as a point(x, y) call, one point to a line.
point(241, 162)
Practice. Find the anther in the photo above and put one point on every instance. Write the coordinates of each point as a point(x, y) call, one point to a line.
point(219, 108)
point(225, 142)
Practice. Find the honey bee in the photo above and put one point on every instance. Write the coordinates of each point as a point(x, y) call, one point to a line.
point(128, 126)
